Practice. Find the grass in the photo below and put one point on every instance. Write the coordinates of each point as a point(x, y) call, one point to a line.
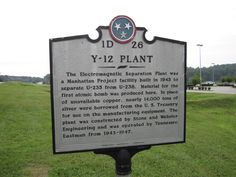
point(26, 144)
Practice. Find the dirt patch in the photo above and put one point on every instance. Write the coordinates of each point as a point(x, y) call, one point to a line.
point(37, 171)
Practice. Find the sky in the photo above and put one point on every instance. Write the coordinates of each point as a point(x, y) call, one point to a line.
point(27, 25)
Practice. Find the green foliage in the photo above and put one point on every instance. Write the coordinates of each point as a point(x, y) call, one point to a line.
point(220, 71)
point(6, 78)
point(228, 79)
point(26, 143)
point(46, 79)
point(196, 79)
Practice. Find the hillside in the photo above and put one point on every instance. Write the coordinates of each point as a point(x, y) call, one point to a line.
point(220, 72)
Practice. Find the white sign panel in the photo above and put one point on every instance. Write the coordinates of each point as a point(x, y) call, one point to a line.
point(119, 90)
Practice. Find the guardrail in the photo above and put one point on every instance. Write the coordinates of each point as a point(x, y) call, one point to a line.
point(206, 88)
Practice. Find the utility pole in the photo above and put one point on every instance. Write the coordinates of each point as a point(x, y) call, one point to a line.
point(213, 72)
point(199, 46)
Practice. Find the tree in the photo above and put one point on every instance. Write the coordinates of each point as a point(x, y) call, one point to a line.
point(196, 79)
point(229, 79)
point(46, 79)
point(220, 71)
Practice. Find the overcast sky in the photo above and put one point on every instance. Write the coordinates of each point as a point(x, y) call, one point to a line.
point(27, 25)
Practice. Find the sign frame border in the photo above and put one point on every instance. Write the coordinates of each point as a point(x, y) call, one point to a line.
point(99, 30)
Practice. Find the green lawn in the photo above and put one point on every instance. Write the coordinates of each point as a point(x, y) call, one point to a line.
point(26, 140)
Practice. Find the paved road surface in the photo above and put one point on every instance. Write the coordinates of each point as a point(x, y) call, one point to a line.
point(224, 90)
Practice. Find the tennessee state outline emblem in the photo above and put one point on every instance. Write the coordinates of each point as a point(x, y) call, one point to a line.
point(122, 29)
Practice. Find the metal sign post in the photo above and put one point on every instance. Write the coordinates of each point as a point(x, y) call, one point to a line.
point(118, 94)
point(122, 157)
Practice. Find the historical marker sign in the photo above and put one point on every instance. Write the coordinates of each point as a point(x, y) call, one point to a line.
point(119, 90)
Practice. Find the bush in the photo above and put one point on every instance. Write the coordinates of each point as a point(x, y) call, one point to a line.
point(196, 79)
point(228, 79)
